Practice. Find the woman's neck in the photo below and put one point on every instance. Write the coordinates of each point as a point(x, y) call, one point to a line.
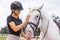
point(14, 16)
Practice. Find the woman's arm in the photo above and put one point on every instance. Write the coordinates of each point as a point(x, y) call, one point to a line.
point(23, 34)
point(19, 27)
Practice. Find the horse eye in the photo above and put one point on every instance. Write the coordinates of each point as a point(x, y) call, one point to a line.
point(37, 16)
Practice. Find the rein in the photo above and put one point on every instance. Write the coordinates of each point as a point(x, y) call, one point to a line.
point(46, 31)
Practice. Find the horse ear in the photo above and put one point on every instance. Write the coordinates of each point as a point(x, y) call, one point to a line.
point(40, 8)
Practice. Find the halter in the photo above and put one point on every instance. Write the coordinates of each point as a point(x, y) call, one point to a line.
point(36, 25)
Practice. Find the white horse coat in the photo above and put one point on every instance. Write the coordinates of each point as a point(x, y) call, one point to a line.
point(53, 30)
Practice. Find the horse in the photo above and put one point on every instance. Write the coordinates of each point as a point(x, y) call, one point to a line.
point(40, 19)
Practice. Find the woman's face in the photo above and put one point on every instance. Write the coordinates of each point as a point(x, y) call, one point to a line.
point(17, 12)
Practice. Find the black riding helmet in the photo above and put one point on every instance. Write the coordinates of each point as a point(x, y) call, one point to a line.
point(16, 5)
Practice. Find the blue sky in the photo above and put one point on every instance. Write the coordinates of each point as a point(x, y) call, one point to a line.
point(52, 7)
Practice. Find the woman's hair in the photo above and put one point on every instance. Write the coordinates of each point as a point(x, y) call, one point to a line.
point(11, 12)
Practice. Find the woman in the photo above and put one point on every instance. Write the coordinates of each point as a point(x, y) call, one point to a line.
point(14, 23)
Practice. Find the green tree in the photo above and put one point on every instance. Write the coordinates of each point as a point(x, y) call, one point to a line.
point(4, 30)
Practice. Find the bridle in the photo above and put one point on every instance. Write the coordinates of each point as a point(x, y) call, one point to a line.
point(36, 25)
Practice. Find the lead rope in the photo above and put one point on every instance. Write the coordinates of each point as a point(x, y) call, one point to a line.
point(46, 31)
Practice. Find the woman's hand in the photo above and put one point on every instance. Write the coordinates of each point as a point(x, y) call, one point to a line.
point(27, 19)
point(24, 35)
point(27, 38)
